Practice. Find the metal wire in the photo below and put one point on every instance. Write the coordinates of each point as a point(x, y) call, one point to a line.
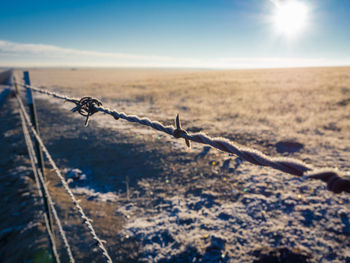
point(86, 220)
point(287, 165)
point(41, 194)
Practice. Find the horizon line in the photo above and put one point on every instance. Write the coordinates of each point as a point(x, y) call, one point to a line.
point(168, 67)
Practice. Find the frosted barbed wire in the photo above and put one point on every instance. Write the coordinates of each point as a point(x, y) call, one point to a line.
point(292, 166)
point(40, 180)
point(50, 93)
point(86, 220)
point(36, 175)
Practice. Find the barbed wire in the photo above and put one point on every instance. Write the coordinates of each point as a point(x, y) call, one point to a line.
point(86, 220)
point(41, 194)
point(52, 240)
point(88, 106)
point(40, 181)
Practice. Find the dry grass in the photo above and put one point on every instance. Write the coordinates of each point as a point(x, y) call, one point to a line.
point(304, 102)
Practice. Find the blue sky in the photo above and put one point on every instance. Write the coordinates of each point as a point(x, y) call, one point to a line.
point(149, 33)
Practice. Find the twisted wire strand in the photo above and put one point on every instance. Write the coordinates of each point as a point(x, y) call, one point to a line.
point(284, 164)
point(50, 93)
point(36, 175)
point(58, 222)
point(86, 220)
point(54, 249)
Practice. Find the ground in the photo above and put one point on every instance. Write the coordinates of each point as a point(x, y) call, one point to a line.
point(154, 200)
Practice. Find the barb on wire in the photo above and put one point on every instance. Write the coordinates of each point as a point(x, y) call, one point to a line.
point(86, 220)
point(87, 107)
point(179, 132)
point(287, 165)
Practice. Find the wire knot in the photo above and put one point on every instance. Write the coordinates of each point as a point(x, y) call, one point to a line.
point(86, 106)
point(179, 132)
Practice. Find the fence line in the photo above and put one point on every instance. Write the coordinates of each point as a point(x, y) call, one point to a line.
point(40, 181)
point(41, 194)
point(87, 106)
point(86, 220)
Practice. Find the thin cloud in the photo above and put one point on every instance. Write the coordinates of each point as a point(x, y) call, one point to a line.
point(14, 54)
point(12, 48)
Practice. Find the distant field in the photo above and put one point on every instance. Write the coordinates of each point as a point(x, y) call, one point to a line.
point(288, 102)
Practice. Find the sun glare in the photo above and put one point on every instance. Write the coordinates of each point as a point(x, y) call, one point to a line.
point(290, 17)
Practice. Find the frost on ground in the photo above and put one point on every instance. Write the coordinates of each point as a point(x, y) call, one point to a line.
point(78, 182)
point(203, 228)
point(270, 224)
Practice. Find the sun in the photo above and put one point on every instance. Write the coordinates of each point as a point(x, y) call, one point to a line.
point(290, 18)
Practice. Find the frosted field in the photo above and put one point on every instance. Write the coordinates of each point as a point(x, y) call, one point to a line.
point(154, 200)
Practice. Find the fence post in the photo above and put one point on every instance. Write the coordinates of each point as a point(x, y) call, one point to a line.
point(39, 154)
